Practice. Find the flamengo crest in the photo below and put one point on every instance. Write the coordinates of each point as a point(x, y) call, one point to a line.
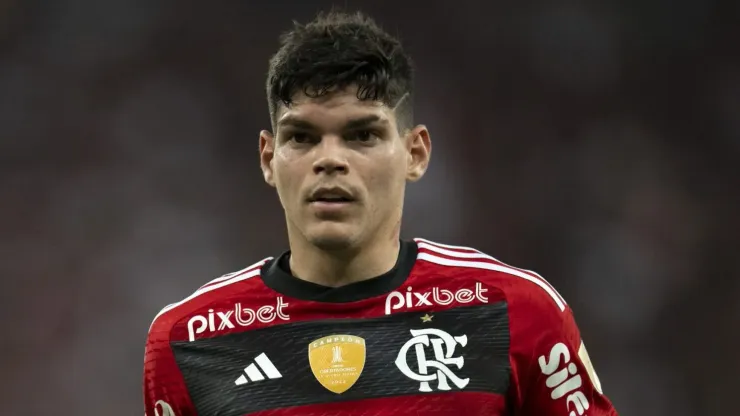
point(337, 361)
point(432, 366)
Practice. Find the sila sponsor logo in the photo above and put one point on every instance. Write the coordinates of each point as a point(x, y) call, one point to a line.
point(409, 300)
point(240, 316)
point(563, 378)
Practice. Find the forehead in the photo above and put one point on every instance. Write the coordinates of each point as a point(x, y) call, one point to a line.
point(332, 109)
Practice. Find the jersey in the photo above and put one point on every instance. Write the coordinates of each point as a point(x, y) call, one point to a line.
point(449, 330)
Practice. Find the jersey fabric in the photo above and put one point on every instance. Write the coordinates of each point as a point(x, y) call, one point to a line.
point(448, 331)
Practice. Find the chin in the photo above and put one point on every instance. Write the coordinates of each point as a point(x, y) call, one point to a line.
point(332, 237)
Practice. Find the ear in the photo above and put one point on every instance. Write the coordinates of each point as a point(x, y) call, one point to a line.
point(419, 148)
point(267, 152)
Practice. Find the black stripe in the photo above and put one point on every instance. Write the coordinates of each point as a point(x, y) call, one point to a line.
point(210, 366)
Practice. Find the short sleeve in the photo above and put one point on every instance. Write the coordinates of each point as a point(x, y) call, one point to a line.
point(552, 372)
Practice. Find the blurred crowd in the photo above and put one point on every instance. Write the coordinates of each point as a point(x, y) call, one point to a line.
point(594, 142)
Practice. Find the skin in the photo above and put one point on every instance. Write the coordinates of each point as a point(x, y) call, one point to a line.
point(338, 141)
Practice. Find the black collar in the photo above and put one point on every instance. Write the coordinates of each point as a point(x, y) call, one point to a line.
point(276, 275)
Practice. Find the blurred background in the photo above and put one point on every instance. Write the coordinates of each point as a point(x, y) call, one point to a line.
point(594, 142)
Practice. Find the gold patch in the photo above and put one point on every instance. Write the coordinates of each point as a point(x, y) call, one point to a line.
point(586, 360)
point(337, 361)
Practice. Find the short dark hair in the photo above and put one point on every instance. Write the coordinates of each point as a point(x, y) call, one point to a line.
point(335, 51)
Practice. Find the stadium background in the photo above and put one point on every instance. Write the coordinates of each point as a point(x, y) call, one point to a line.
point(594, 142)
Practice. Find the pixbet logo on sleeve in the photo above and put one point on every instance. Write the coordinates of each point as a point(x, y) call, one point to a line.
point(241, 316)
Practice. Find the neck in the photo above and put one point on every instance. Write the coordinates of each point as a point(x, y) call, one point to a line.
point(339, 268)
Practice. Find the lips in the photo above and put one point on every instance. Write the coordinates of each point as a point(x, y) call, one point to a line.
point(331, 199)
point(331, 195)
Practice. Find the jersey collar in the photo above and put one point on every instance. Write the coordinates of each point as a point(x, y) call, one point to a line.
point(276, 275)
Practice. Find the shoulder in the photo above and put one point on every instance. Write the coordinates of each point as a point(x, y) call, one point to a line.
point(521, 287)
point(208, 292)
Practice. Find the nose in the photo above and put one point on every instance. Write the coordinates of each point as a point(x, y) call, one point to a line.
point(330, 157)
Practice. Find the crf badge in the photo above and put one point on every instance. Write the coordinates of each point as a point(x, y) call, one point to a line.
point(437, 367)
point(337, 361)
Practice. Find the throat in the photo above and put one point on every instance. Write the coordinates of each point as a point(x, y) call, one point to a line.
point(341, 269)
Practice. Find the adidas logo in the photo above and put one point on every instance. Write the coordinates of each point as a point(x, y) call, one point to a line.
point(252, 373)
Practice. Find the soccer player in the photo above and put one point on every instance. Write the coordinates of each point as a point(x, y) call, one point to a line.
point(353, 320)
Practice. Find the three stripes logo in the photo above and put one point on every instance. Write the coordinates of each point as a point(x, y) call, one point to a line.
point(252, 372)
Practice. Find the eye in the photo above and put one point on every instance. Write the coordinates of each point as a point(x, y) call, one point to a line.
point(299, 137)
point(363, 136)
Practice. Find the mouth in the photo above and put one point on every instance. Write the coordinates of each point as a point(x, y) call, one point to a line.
point(331, 196)
point(330, 199)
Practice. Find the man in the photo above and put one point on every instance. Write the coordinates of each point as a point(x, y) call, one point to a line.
point(352, 320)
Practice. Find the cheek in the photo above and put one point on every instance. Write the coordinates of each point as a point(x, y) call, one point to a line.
point(287, 179)
point(386, 182)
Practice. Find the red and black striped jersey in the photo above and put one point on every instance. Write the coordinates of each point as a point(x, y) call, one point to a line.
point(449, 330)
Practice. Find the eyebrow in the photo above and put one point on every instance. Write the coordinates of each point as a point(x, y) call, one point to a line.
point(351, 124)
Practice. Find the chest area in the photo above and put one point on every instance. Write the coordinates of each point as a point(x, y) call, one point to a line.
point(419, 350)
